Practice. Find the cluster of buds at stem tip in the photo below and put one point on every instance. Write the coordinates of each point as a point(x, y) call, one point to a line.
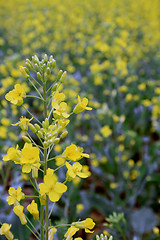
point(43, 67)
point(103, 237)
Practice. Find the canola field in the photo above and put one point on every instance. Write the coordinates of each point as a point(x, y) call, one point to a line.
point(79, 120)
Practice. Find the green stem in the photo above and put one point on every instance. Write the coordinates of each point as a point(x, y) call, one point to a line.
point(31, 231)
point(32, 226)
point(32, 184)
point(31, 114)
point(41, 224)
point(35, 88)
point(121, 231)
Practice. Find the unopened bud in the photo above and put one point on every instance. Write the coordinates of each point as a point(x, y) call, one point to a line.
point(48, 71)
point(64, 134)
point(26, 139)
point(50, 58)
point(32, 127)
point(39, 76)
point(37, 126)
point(56, 140)
point(53, 63)
point(29, 66)
point(36, 67)
point(45, 144)
point(45, 58)
point(54, 87)
point(40, 134)
point(59, 75)
point(23, 71)
point(46, 123)
point(63, 77)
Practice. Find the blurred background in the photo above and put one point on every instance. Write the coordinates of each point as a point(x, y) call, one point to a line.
point(111, 52)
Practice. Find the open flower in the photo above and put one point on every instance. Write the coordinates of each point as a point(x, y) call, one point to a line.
point(87, 224)
point(57, 98)
point(71, 231)
point(51, 232)
point(52, 188)
point(75, 170)
point(5, 230)
point(15, 195)
point(33, 209)
point(61, 110)
point(23, 123)
point(18, 210)
point(16, 95)
point(74, 153)
point(81, 106)
point(29, 158)
point(13, 154)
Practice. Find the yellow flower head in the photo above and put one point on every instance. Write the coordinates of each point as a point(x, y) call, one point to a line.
point(86, 224)
point(61, 111)
point(52, 188)
point(51, 232)
point(15, 195)
point(16, 95)
point(81, 106)
point(71, 231)
point(5, 230)
point(33, 209)
point(12, 154)
point(75, 170)
point(18, 210)
point(23, 123)
point(106, 131)
point(74, 153)
point(57, 98)
point(29, 158)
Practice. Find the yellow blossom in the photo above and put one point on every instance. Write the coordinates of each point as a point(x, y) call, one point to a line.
point(5, 230)
point(75, 170)
point(12, 154)
point(57, 98)
point(16, 95)
point(18, 210)
point(29, 158)
point(51, 232)
point(71, 231)
point(33, 209)
point(61, 111)
point(74, 153)
point(106, 131)
point(87, 224)
point(52, 188)
point(81, 106)
point(15, 195)
point(23, 123)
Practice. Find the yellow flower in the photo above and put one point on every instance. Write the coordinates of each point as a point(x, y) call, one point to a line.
point(74, 153)
point(81, 106)
point(33, 209)
point(57, 98)
point(51, 232)
point(52, 188)
point(87, 224)
point(15, 195)
point(16, 95)
point(71, 231)
point(12, 154)
point(18, 210)
point(61, 111)
point(5, 230)
point(29, 158)
point(23, 123)
point(75, 170)
point(106, 131)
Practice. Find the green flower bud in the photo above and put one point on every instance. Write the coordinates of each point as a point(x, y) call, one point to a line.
point(45, 144)
point(23, 71)
point(45, 58)
point(54, 87)
point(48, 71)
point(26, 139)
point(40, 134)
point(29, 66)
point(37, 126)
point(46, 123)
point(39, 76)
point(59, 75)
point(32, 127)
point(63, 77)
point(53, 63)
point(36, 67)
point(64, 134)
point(56, 140)
point(50, 58)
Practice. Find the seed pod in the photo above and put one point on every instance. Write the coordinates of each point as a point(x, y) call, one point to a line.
point(26, 139)
point(32, 127)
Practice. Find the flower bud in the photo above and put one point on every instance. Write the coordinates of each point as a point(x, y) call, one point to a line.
point(26, 139)
point(51, 58)
point(39, 76)
point(32, 127)
point(29, 66)
point(23, 71)
point(36, 67)
point(54, 87)
point(45, 144)
point(37, 126)
point(45, 58)
point(64, 134)
point(59, 75)
point(53, 63)
point(56, 140)
point(63, 77)
point(40, 134)
point(48, 71)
